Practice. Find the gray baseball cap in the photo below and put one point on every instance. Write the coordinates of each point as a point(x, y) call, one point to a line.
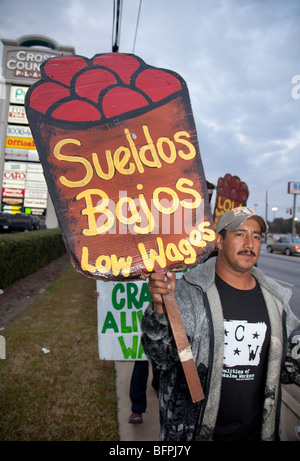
point(234, 218)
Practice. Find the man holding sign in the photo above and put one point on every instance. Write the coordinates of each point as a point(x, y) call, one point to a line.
point(243, 335)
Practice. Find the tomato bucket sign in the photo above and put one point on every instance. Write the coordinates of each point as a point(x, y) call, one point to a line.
point(118, 145)
point(231, 193)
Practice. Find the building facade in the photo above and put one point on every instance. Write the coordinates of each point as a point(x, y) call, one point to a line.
point(23, 187)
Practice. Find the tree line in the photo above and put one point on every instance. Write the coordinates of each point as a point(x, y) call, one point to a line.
point(283, 226)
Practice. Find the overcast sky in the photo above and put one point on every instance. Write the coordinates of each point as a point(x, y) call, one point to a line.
point(239, 58)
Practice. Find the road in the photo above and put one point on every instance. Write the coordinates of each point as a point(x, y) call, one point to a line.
point(285, 270)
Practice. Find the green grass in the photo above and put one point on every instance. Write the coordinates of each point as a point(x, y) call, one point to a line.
point(67, 394)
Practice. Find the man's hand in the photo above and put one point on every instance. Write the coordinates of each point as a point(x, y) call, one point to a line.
point(160, 284)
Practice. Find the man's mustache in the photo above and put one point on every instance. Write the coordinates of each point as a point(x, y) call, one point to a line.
point(245, 252)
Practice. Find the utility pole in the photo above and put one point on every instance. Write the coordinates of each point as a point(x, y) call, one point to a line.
point(294, 188)
point(118, 4)
point(266, 216)
point(294, 216)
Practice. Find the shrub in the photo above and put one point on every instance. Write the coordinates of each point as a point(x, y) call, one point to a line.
point(24, 253)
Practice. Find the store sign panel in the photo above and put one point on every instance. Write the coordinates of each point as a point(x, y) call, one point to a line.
point(294, 187)
point(12, 208)
point(35, 176)
point(13, 183)
point(13, 192)
point(34, 168)
point(20, 131)
point(15, 154)
point(12, 205)
point(17, 114)
point(20, 143)
point(35, 193)
point(35, 203)
point(21, 154)
point(17, 94)
point(36, 185)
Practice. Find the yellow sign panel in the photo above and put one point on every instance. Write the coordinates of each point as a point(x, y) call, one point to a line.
point(20, 143)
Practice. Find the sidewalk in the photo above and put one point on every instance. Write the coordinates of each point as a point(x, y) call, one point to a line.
point(149, 430)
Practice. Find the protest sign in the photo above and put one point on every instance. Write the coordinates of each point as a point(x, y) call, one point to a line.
point(120, 307)
point(119, 149)
point(231, 193)
point(120, 310)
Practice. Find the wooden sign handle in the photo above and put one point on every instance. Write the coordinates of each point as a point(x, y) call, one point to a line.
point(183, 347)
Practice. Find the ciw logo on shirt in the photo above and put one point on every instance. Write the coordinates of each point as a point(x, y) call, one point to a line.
point(243, 342)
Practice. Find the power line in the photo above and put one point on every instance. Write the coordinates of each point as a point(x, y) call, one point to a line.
point(137, 25)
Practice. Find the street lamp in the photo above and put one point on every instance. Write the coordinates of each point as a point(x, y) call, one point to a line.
point(274, 209)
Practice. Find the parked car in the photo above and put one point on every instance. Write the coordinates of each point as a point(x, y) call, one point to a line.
point(19, 222)
point(4, 222)
point(287, 245)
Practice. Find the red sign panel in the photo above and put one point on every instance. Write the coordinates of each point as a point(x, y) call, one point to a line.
point(12, 192)
point(231, 193)
point(120, 154)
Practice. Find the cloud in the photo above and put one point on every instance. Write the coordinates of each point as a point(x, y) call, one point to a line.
point(237, 57)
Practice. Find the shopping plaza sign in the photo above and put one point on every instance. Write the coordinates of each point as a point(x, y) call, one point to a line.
point(21, 62)
point(25, 64)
